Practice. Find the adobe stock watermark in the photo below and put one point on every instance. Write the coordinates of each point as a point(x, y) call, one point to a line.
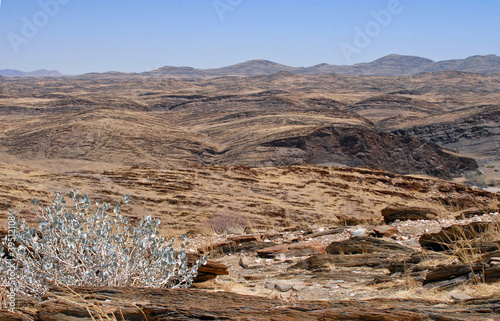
point(48, 10)
point(223, 6)
point(10, 279)
point(372, 29)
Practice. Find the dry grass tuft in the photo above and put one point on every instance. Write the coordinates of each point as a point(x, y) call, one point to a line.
point(228, 222)
point(467, 243)
point(96, 310)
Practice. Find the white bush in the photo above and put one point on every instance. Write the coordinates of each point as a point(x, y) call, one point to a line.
point(81, 246)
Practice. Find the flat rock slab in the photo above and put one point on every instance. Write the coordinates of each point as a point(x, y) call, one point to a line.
point(283, 287)
point(324, 262)
point(234, 246)
point(293, 249)
point(461, 296)
point(243, 238)
point(471, 212)
point(488, 273)
point(360, 245)
point(336, 230)
point(209, 270)
point(192, 304)
point(405, 264)
point(403, 213)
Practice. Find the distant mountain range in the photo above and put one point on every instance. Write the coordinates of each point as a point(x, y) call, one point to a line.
point(37, 73)
point(391, 65)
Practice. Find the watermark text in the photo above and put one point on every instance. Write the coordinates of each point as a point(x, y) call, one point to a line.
point(31, 26)
point(11, 273)
point(223, 6)
point(373, 28)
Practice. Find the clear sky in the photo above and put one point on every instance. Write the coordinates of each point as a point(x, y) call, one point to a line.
point(78, 36)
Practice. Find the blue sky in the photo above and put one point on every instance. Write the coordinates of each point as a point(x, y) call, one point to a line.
point(78, 36)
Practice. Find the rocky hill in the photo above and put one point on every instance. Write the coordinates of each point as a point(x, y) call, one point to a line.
point(249, 68)
point(274, 120)
point(391, 65)
point(36, 73)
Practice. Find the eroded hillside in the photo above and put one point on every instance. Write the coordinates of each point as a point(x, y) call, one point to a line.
point(392, 123)
point(290, 197)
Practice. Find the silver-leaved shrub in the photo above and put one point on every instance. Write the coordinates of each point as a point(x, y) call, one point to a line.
point(85, 245)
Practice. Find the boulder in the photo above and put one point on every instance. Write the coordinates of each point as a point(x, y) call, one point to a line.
point(325, 262)
point(209, 270)
point(283, 287)
point(247, 263)
point(461, 296)
point(365, 245)
point(385, 231)
point(293, 249)
point(360, 232)
point(403, 213)
point(444, 240)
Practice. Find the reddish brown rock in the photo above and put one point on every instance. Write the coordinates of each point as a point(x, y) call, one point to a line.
point(294, 249)
point(385, 231)
point(209, 270)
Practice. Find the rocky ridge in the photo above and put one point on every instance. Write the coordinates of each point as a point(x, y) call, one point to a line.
point(200, 198)
point(391, 65)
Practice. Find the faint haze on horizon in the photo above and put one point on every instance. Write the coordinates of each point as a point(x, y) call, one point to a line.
point(77, 36)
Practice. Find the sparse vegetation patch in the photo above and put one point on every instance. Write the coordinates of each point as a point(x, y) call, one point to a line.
point(85, 245)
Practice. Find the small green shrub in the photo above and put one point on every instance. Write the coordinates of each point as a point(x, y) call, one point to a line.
point(476, 179)
point(86, 246)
